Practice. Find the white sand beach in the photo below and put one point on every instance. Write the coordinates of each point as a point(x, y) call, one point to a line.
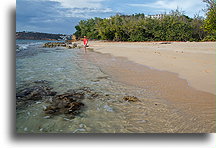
point(192, 61)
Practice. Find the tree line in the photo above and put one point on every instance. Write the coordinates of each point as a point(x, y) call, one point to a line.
point(174, 26)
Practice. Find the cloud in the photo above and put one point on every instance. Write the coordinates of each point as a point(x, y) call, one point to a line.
point(57, 16)
point(80, 3)
point(79, 8)
point(86, 12)
point(82, 8)
point(189, 6)
point(74, 3)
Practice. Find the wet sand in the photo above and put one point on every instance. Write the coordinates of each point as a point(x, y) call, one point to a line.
point(195, 103)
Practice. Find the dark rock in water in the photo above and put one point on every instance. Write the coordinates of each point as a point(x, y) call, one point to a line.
point(51, 109)
point(103, 77)
point(74, 107)
point(54, 44)
point(131, 99)
point(94, 95)
point(70, 96)
point(69, 104)
point(83, 90)
point(33, 93)
point(41, 82)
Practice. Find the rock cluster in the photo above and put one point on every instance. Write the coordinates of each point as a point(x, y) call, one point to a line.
point(131, 98)
point(54, 44)
point(60, 44)
point(68, 103)
point(38, 91)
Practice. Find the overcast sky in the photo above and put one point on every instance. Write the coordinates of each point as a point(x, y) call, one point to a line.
point(60, 16)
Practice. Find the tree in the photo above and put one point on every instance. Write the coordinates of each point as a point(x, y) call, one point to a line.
point(174, 26)
point(78, 31)
point(210, 21)
point(198, 32)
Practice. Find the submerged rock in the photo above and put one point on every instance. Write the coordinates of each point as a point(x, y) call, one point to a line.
point(35, 93)
point(131, 99)
point(32, 94)
point(67, 103)
point(70, 103)
point(41, 82)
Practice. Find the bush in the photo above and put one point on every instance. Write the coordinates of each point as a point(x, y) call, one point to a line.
point(209, 38)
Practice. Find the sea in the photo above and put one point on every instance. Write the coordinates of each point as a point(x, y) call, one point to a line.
point(64, 70)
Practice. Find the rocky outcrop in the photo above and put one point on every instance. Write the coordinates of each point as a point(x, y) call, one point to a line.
point(131, 99)
point(61, 44)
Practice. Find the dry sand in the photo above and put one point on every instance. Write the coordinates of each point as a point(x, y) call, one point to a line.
point(192, 61)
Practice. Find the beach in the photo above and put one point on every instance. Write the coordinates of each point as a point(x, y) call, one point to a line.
point(180, 73)
point(108, 91)
point(192, 61)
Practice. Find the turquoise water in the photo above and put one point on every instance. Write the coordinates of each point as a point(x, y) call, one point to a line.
point(65, 70)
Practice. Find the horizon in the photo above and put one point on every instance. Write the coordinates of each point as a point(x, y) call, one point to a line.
point(61, 16)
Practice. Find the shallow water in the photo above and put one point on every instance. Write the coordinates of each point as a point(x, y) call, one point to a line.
point(66, 69)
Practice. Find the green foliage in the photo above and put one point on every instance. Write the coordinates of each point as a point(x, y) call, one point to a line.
point(137, 27)
point(197, 33)
point(209, 38)
point(210, 21)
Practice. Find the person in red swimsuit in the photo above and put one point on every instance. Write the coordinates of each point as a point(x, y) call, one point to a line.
point(85, 42)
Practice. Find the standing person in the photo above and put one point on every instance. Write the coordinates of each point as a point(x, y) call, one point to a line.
point(85, 42)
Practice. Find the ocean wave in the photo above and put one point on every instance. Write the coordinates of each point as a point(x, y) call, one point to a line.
point(25, 45)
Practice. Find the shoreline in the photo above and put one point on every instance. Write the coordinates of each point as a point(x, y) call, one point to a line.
point(165, 103)
point(192, 61)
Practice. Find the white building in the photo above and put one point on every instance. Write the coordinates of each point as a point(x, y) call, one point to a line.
point(157, 16)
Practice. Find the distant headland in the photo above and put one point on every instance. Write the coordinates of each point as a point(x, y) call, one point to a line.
point(40, 36)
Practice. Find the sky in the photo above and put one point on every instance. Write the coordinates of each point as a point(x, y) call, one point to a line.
point(61, 16)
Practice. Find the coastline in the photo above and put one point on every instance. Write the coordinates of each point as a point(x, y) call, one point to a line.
point(166, 104)
point(192, 61)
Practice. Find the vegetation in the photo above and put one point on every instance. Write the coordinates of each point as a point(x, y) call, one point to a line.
point(210, 21)
point(174, 26)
